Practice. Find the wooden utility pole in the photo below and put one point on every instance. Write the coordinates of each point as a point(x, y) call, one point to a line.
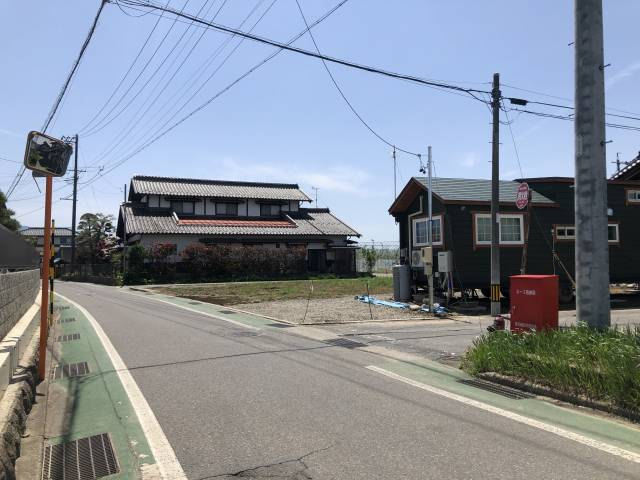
point(592, 245)
point(495, 198)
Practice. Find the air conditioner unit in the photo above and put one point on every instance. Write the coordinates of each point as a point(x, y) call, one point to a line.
point(416, 259)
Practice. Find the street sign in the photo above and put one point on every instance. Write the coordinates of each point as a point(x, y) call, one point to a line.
point(522, 195)
point(46, 155)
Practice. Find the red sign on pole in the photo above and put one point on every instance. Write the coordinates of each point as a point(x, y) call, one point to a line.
point(522, 195)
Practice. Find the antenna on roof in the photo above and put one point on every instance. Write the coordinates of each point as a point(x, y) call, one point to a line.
point(315, 189)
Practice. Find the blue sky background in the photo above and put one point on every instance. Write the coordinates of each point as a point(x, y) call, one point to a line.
point(286, 122)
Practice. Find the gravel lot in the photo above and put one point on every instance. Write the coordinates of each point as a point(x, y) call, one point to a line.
point(329, 310)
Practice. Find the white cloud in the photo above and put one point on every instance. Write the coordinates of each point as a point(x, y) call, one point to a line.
point(623, 74)
point(10, 133)
point(339, 179)
point(470, 160)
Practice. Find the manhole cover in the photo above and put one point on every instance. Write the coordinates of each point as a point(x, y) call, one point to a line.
point(497, 389)
point(83, 459)
point(280, 325)
point(70, 336)
point(227, 312)
point(70, 370)
point(345, 343)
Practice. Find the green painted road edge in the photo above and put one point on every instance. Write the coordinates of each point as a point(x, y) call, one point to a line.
point(614, 432)
point(101, 403)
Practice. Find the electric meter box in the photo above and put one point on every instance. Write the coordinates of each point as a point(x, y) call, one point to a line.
point(445, 262)
point(427, 255)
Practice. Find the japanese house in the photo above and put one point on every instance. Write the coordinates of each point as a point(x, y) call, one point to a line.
point(62, 241)
point(182, 211)
point(462, 225)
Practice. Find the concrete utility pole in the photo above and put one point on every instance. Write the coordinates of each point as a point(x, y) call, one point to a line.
point(495, 198)
point(592, 247)
point(75, 201)
point(430, 228)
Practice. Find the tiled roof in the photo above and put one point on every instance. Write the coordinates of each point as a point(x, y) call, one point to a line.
point(39, 232)
point(144, 185)
point(211, 222)
point(306, 223)
point(476, 190)
point(631, 171)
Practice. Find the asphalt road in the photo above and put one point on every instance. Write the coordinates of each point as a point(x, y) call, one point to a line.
point(241, 403)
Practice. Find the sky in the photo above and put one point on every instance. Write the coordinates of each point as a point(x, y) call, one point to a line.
point(286, 122)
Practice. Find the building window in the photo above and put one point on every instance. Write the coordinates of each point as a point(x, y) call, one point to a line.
point(226, 209)
point(185, 208)
point(267, 210)
point(633, 196)
point(614, 233)
point(420, 237)
point(511, 227)
point(565, 232)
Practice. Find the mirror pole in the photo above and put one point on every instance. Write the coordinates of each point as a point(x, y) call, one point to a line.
point(46, 254)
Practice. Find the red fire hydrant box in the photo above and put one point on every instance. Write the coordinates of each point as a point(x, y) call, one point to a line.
point(534, 302)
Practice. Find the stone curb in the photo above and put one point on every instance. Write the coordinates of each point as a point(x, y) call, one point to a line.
point(15, 405)
point(537, 389)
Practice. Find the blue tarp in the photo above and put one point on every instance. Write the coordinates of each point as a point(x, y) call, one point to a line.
point(374, 301)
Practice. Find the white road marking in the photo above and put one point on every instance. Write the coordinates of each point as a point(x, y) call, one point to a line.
point(229, 320)
point(576, 437)
point(167, 464)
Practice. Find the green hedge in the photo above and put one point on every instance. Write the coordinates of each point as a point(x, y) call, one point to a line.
point(601, 366)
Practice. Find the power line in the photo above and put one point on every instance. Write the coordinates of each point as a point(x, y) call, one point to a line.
point(513, 138)
point(124, 77)
point(344, 97)
point(63, 90)
point(88, 131)
point(571, 119)
point(160, 132)
point(285, 46)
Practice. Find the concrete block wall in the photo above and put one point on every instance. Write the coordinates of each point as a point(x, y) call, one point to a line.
point(18, 291)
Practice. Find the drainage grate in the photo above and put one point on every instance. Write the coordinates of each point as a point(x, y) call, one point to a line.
point(345, 343)
point(70, 370)
point(70, 336)
point(66, 320)
point(497, 389)
point(280, 325)
point(83, 459)
point(228, 312)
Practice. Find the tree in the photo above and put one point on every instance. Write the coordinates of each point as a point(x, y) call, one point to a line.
point(370, 256)
point(6, 215)
point(96, 240)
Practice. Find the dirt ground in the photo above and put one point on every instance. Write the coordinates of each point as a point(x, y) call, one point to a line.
point(329, 310)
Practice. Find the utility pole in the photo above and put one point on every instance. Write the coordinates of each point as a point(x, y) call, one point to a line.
point(430, 230)
point(73, 209)
point(495, 198)
point(124, 232)
point(592, 247)
point(395, 168)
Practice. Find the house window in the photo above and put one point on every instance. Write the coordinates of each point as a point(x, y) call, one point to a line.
point(511, 229)
point(565, 232)
point(420, 237)
point(185, 208)
point(613, 233)
point(226, 209)
point(267, 210)
point(633, 196)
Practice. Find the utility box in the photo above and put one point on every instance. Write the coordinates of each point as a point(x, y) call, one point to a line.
point(445, 262)
point(534, 302)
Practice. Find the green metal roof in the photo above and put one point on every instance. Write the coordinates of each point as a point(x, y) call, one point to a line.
point(476, 190)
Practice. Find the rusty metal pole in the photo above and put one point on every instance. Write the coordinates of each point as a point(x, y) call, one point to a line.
point(46, 254)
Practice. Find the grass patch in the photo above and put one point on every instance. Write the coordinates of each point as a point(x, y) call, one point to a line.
point(600, 366)
point(254, 292)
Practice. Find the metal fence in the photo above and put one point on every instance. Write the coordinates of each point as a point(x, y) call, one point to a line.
point(386, 255)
